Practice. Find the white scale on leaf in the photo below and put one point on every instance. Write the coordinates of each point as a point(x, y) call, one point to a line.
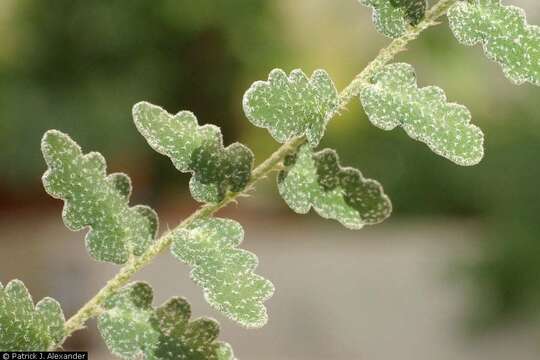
point(131, 327)
point(196, 149)
point(225, 272)
point(504, 33)
point(24, 327)
point(292, 106)
point(394, 99)
point(317, 180)
point(93, 199)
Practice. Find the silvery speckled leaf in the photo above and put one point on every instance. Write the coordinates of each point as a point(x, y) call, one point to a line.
point(394, 99)
point(132, 328)
point(196, 149)
point(504, 33)
point(292, 106)
point(24, 327)
point(341, 193)
point(225, 272)
point(391, 17)
point(93, 199)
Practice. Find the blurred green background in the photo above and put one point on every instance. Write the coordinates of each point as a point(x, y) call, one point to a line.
point(79, 66)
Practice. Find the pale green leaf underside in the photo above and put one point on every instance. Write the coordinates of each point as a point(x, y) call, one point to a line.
point(24, 327)
point(504, 33)
point(225, 272)
point(93, 199)
point(394, 99)
point(196, 149)
point(131, 327)
point(292, 106)
point(317, 180)
point(391, 17)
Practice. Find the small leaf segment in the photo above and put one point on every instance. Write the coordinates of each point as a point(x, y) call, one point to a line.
point(196, 149)
point(225, 272)
point(294, 105)
point(392, 17)
point(341, 193)
point(393, 99)
point(131, 327)
point(24, 327)
point(504, 34)
point(97, 200)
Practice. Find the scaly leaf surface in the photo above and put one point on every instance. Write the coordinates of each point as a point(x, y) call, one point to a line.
point(196, 149)
point(341, 193)
point(24, 327)
point(225, 272)
point(294, 105)
point(132, 328)
point(394, 99)
point(93, 199)
point(504, 34)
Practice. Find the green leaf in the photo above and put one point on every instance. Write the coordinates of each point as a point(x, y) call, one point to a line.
point(24, 327)
point(131, 327)
point(196, 149)
point(93, 199)
point(317, 180)
point(224, 271)
point(504, 33)
point(394, 99)
point(292, 106)
point(391, 17)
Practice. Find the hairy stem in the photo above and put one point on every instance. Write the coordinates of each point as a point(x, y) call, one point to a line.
point(93, 307)
point(395, 47)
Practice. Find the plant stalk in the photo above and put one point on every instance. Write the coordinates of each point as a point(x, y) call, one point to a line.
point(93, 307)
point(395, 47)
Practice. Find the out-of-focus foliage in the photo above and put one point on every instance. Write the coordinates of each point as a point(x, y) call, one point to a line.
point(80, 66)
point(506, 280)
